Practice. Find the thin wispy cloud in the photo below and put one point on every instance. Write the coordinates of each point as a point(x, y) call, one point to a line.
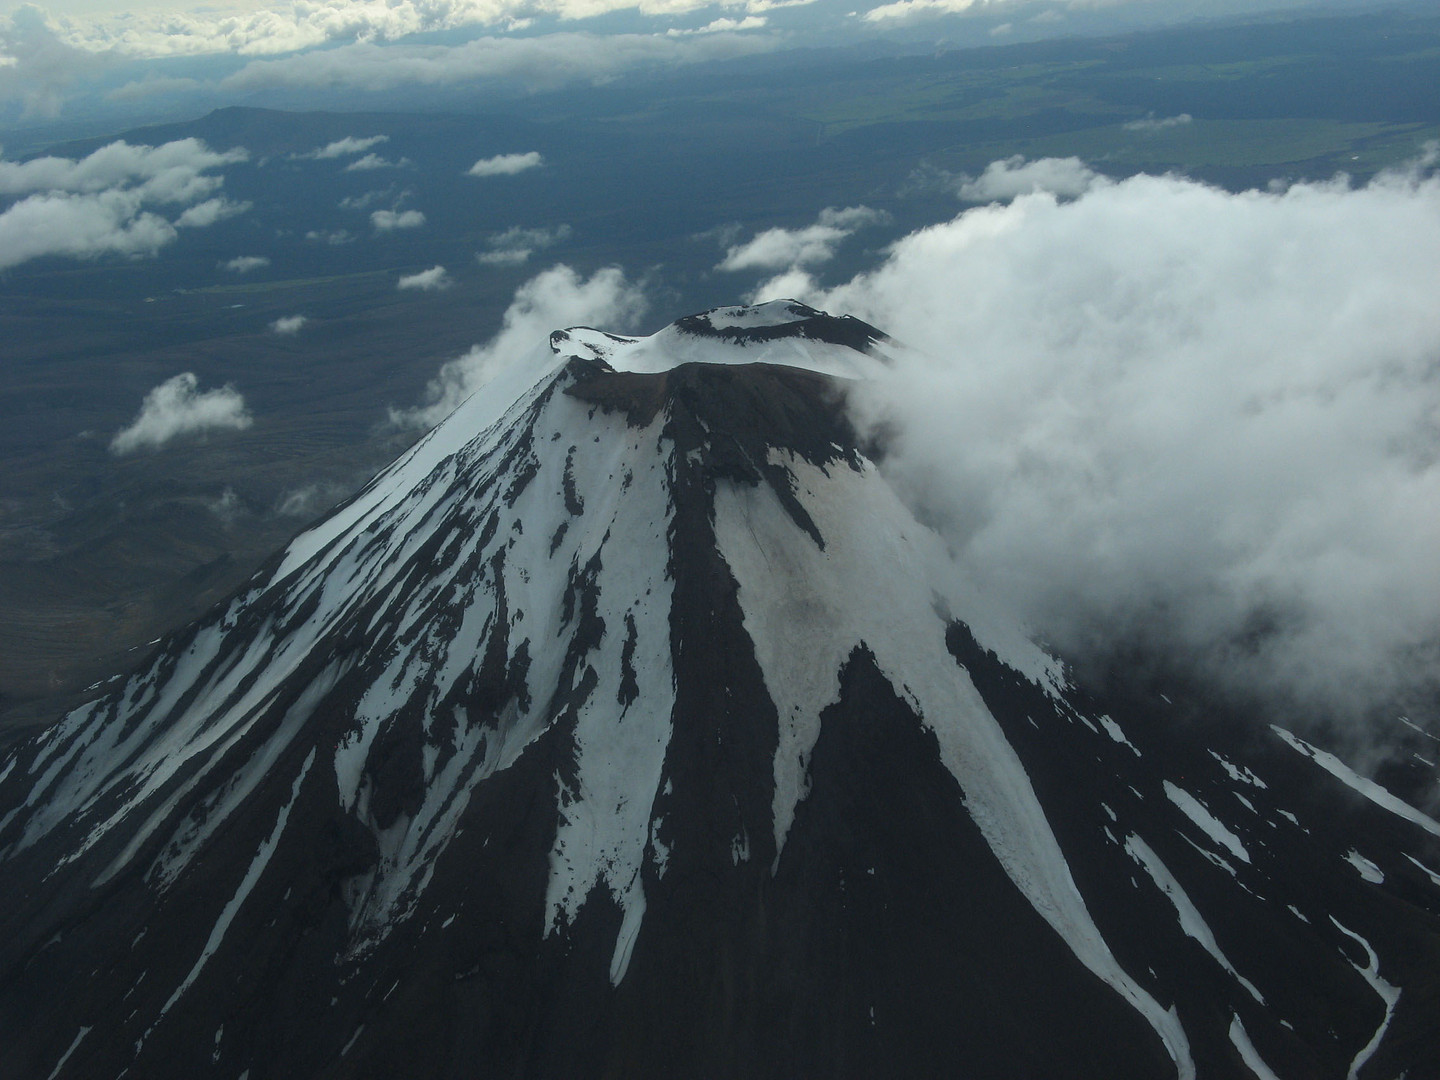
point(333, 237)
point(371, 162)
point(243, 264)
point(515, 245)
point(349, 146)
point(177, 408)
point(1149, 124)
point(368, 199)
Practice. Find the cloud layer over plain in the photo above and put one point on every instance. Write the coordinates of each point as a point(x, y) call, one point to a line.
point(1163, 413)
point(177, 408)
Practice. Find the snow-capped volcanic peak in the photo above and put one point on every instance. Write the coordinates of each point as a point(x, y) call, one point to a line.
point(782, 332)
point(629, 723)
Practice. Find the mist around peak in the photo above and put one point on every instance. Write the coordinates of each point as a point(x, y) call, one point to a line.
point(1173, 425)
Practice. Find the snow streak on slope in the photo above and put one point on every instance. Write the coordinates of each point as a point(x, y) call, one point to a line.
point(1348, 776)
point(1389, 994)
point(807, 608)
point(1191, 921)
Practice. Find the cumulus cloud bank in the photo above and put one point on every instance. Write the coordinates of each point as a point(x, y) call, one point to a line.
point(177, 408)
point(108, 202)
point(432, 280)
point(506, 164)
point(556, 298)
point(288, 324)
point(1170, 418)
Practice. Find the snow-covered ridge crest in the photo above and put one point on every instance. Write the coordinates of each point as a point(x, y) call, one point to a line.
point(782, 332)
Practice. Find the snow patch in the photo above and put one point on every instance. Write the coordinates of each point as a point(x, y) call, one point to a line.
point(1366, 869)
point(1113, 730)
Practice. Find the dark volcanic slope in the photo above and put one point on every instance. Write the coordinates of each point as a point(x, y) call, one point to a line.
point(629, 726)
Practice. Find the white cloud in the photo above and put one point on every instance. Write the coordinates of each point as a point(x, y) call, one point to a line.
point(288, 324)
point(505, 164)
point(99, 204)
point(243, 264)
point(553, 300)
point(345, 147)
point(908, 9)
point(794, 248)
point(1149, 124)
point(80, 226)
point(515, 245)
point(432, 280)
point(176, 408)
point(723, 25)
point(1014, 176)
point(390, 220)
point(1198, 423)
point(207, 213)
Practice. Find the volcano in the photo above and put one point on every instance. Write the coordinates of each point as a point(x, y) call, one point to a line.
point(631, 725)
